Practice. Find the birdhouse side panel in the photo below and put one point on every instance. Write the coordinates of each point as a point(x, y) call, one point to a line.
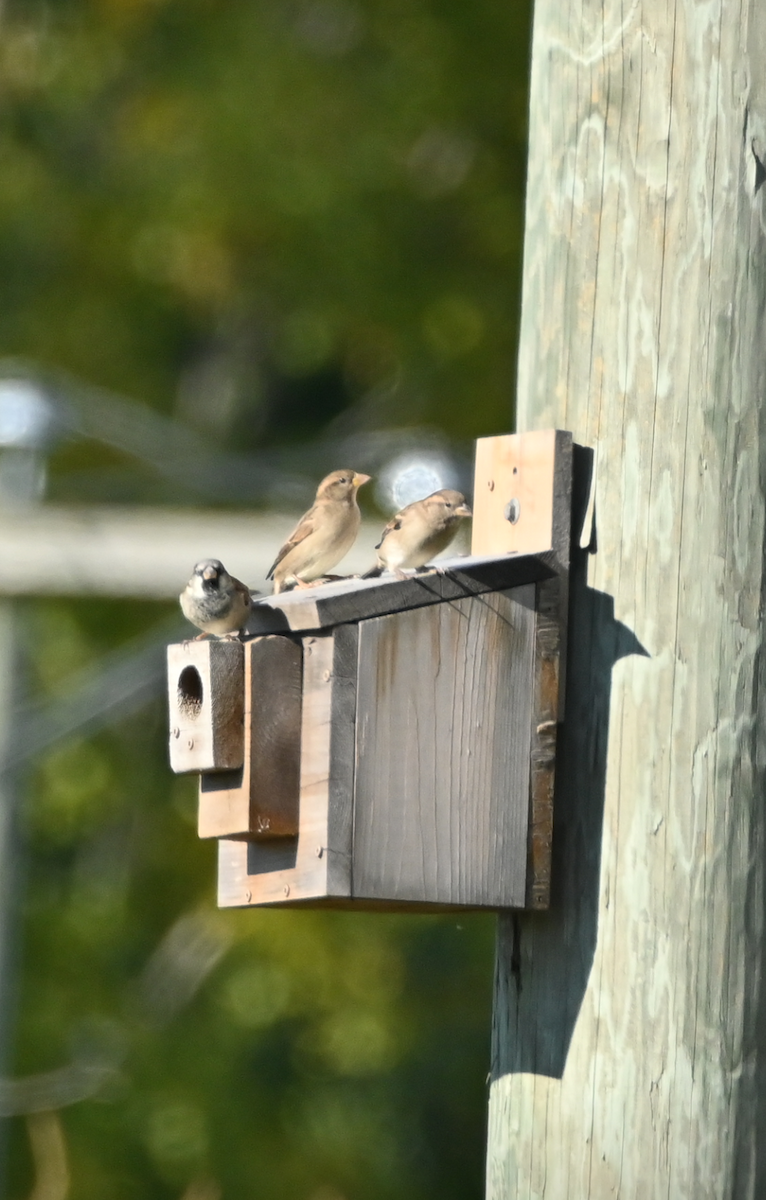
point(444, 714)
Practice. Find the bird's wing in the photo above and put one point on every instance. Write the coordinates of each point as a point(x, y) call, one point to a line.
point(305, 526)
point(394, 523)
point(239, 586)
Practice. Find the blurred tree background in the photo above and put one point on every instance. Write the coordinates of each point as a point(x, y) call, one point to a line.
point(294, 228)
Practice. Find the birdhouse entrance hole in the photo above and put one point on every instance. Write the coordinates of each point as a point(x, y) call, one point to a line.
point(190, 693)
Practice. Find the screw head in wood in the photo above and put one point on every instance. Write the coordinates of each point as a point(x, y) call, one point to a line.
point(190, 743)
point(491, 484)
point(176, 733)
point(248, 896)
point(286, 889)
point(512, 511)
point(319, 851)
point(327, 676)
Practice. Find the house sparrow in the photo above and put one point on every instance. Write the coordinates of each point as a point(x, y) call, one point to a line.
point(419, 532)
point(323, 535)
point(215, 601)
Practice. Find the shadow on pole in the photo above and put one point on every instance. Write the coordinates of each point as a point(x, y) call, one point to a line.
point(544, 959)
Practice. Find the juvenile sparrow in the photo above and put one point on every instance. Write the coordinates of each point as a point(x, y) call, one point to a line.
point(419, 532)
point(215, 601)
point(323, 535)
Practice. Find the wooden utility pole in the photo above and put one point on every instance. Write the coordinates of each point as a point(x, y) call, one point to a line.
point(630, 1020)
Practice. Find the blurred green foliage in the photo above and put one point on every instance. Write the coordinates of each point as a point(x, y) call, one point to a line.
point(206, 202)
point(271, 220)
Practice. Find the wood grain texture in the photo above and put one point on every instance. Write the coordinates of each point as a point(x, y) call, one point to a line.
point(317, 862)
point(275, 682)
point(443, 744)
point(206, 700)
point(532, 470)
point(630, 1020)
point(545, 708)
point(260, 800)
point(334, 604)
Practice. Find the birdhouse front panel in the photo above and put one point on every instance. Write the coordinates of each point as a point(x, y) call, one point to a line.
point(444, 711)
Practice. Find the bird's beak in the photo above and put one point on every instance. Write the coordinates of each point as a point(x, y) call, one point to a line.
point(463, 510)
point(209, 573)
point(358, 480)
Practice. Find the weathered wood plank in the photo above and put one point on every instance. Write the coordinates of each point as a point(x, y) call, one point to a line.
point(340, 798)
point(629, 1054)
point(545, 685)
point(443, 739)
point(260, 800)
point(315, 863)
point(528, 476)
point(274, 754)
point(330, 604)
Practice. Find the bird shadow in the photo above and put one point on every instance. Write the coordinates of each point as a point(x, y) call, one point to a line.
point(544, 959)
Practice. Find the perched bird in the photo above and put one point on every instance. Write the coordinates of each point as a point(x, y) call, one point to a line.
point(419, 532)
point(323, 535)
point(215, 601)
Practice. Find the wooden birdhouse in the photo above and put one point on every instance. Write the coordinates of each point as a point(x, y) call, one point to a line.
point(390, 743)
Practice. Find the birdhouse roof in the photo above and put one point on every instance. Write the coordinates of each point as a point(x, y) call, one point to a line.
point(348, 600)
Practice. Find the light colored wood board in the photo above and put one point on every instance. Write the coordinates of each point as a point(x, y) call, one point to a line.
point(442, 775)
point(206, 699)
point(258, 873)
point(144, 552)
point(224, 801)
point(359, 599)
point(532, 470)
point(261, 799)
point(628, 1054)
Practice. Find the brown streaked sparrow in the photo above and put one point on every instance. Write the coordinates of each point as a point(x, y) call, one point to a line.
point(323, 535)
point(419, 532)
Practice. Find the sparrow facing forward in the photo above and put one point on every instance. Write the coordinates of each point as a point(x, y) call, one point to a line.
point(419, 532)
point(323, 535)
point(215, 601)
